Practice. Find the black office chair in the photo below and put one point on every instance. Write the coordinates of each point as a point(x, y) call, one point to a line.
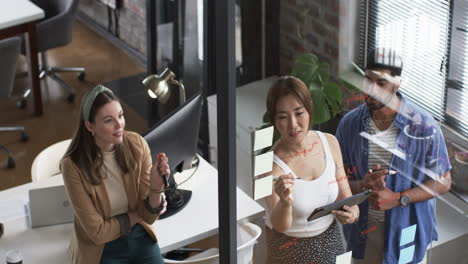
point(9, 50)
point(55, 30)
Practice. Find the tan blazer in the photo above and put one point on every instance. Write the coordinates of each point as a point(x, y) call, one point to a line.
point(93, 225)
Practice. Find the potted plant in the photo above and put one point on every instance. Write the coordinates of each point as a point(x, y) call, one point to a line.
point(325, 92)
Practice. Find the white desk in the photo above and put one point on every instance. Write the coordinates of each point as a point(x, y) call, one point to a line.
point(17, 12)
point(198, 220)
point(18, 17)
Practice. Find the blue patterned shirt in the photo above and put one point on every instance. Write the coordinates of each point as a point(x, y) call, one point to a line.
point(418, 155)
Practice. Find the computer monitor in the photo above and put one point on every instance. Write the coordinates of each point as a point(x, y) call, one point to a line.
point(176, 135)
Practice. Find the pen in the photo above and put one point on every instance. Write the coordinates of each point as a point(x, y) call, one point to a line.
point(390, 172)
point(275, 178)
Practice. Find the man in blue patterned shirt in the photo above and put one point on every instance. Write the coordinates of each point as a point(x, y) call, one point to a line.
point(396, 149)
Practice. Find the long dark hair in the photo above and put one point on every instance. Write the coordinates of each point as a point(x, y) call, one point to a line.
point(84, 152)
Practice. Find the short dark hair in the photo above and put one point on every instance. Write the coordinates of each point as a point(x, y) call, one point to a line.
point(385, 58)
point(284, 86)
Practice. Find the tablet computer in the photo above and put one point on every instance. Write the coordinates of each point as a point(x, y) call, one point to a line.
point(350, 201)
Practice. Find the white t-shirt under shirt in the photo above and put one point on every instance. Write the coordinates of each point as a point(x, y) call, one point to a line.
point(114, 184)
point(308, 195)
point(380, 155)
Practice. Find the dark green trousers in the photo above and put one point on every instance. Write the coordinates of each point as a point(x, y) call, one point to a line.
point(136, 248)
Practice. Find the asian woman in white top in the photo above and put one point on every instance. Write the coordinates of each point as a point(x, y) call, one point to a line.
point(310, 174)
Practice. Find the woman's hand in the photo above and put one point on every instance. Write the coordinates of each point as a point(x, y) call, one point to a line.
point(163, 210)
point(284, 187)
point(348, 215)
point(134, 218)
point(158, 171)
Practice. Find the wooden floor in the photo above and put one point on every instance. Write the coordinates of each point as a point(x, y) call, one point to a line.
point(103, 63)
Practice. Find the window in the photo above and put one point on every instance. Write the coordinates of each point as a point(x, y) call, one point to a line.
point(432, 37)
point(457, 81)
point(419, 31)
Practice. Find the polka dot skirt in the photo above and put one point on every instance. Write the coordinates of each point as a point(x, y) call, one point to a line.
point(321, 249)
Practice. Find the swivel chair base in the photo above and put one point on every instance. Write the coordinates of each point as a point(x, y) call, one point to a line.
point(24, 137)
point(46, 70)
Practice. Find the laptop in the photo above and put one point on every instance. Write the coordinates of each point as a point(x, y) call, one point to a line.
point(49, 206)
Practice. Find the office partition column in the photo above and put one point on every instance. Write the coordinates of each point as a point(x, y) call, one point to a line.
point(220, 52)
point(151, 37)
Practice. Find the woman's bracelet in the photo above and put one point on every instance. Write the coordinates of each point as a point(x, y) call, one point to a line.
point(156, 210)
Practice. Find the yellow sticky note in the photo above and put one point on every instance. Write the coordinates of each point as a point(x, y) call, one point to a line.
point(263, 187)
point(263, 138)
point(263, 163)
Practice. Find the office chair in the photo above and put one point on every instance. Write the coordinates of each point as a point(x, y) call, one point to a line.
point(55, 30)
point(9, 51)
point(47, 163)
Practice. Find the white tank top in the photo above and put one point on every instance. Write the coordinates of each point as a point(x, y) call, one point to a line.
point(309, 195)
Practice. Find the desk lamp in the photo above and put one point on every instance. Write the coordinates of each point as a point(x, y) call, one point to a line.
point(159, 87)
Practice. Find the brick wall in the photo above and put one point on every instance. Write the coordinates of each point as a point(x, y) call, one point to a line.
point(305, 26)
point(132, 20)
point(309, 26)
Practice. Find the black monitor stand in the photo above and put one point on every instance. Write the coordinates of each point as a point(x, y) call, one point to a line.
point(176, 199)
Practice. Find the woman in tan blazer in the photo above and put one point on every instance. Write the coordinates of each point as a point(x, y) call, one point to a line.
point(115, 191)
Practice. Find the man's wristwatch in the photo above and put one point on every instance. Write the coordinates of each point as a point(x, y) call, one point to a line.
point(404, 198)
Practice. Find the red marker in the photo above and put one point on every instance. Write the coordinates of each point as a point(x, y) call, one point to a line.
point(165, 176)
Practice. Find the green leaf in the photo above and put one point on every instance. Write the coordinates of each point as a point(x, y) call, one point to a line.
point(305, 68)
point(329, 103)
point(321, 112)
point(332, 90)
point(336, 107)
point(333, 94)
point(323, 73)
point(314, 87)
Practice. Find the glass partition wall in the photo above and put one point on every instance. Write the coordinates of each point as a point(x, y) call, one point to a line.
point(401, 109)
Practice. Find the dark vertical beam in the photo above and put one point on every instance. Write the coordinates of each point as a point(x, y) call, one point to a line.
point(221, 74)
point(177, 39)
point(151, 56)
point(209, 45)
point(251, 28)
point(208, 86)
point(32, 51)
point(151, 37)
point(272, 25)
